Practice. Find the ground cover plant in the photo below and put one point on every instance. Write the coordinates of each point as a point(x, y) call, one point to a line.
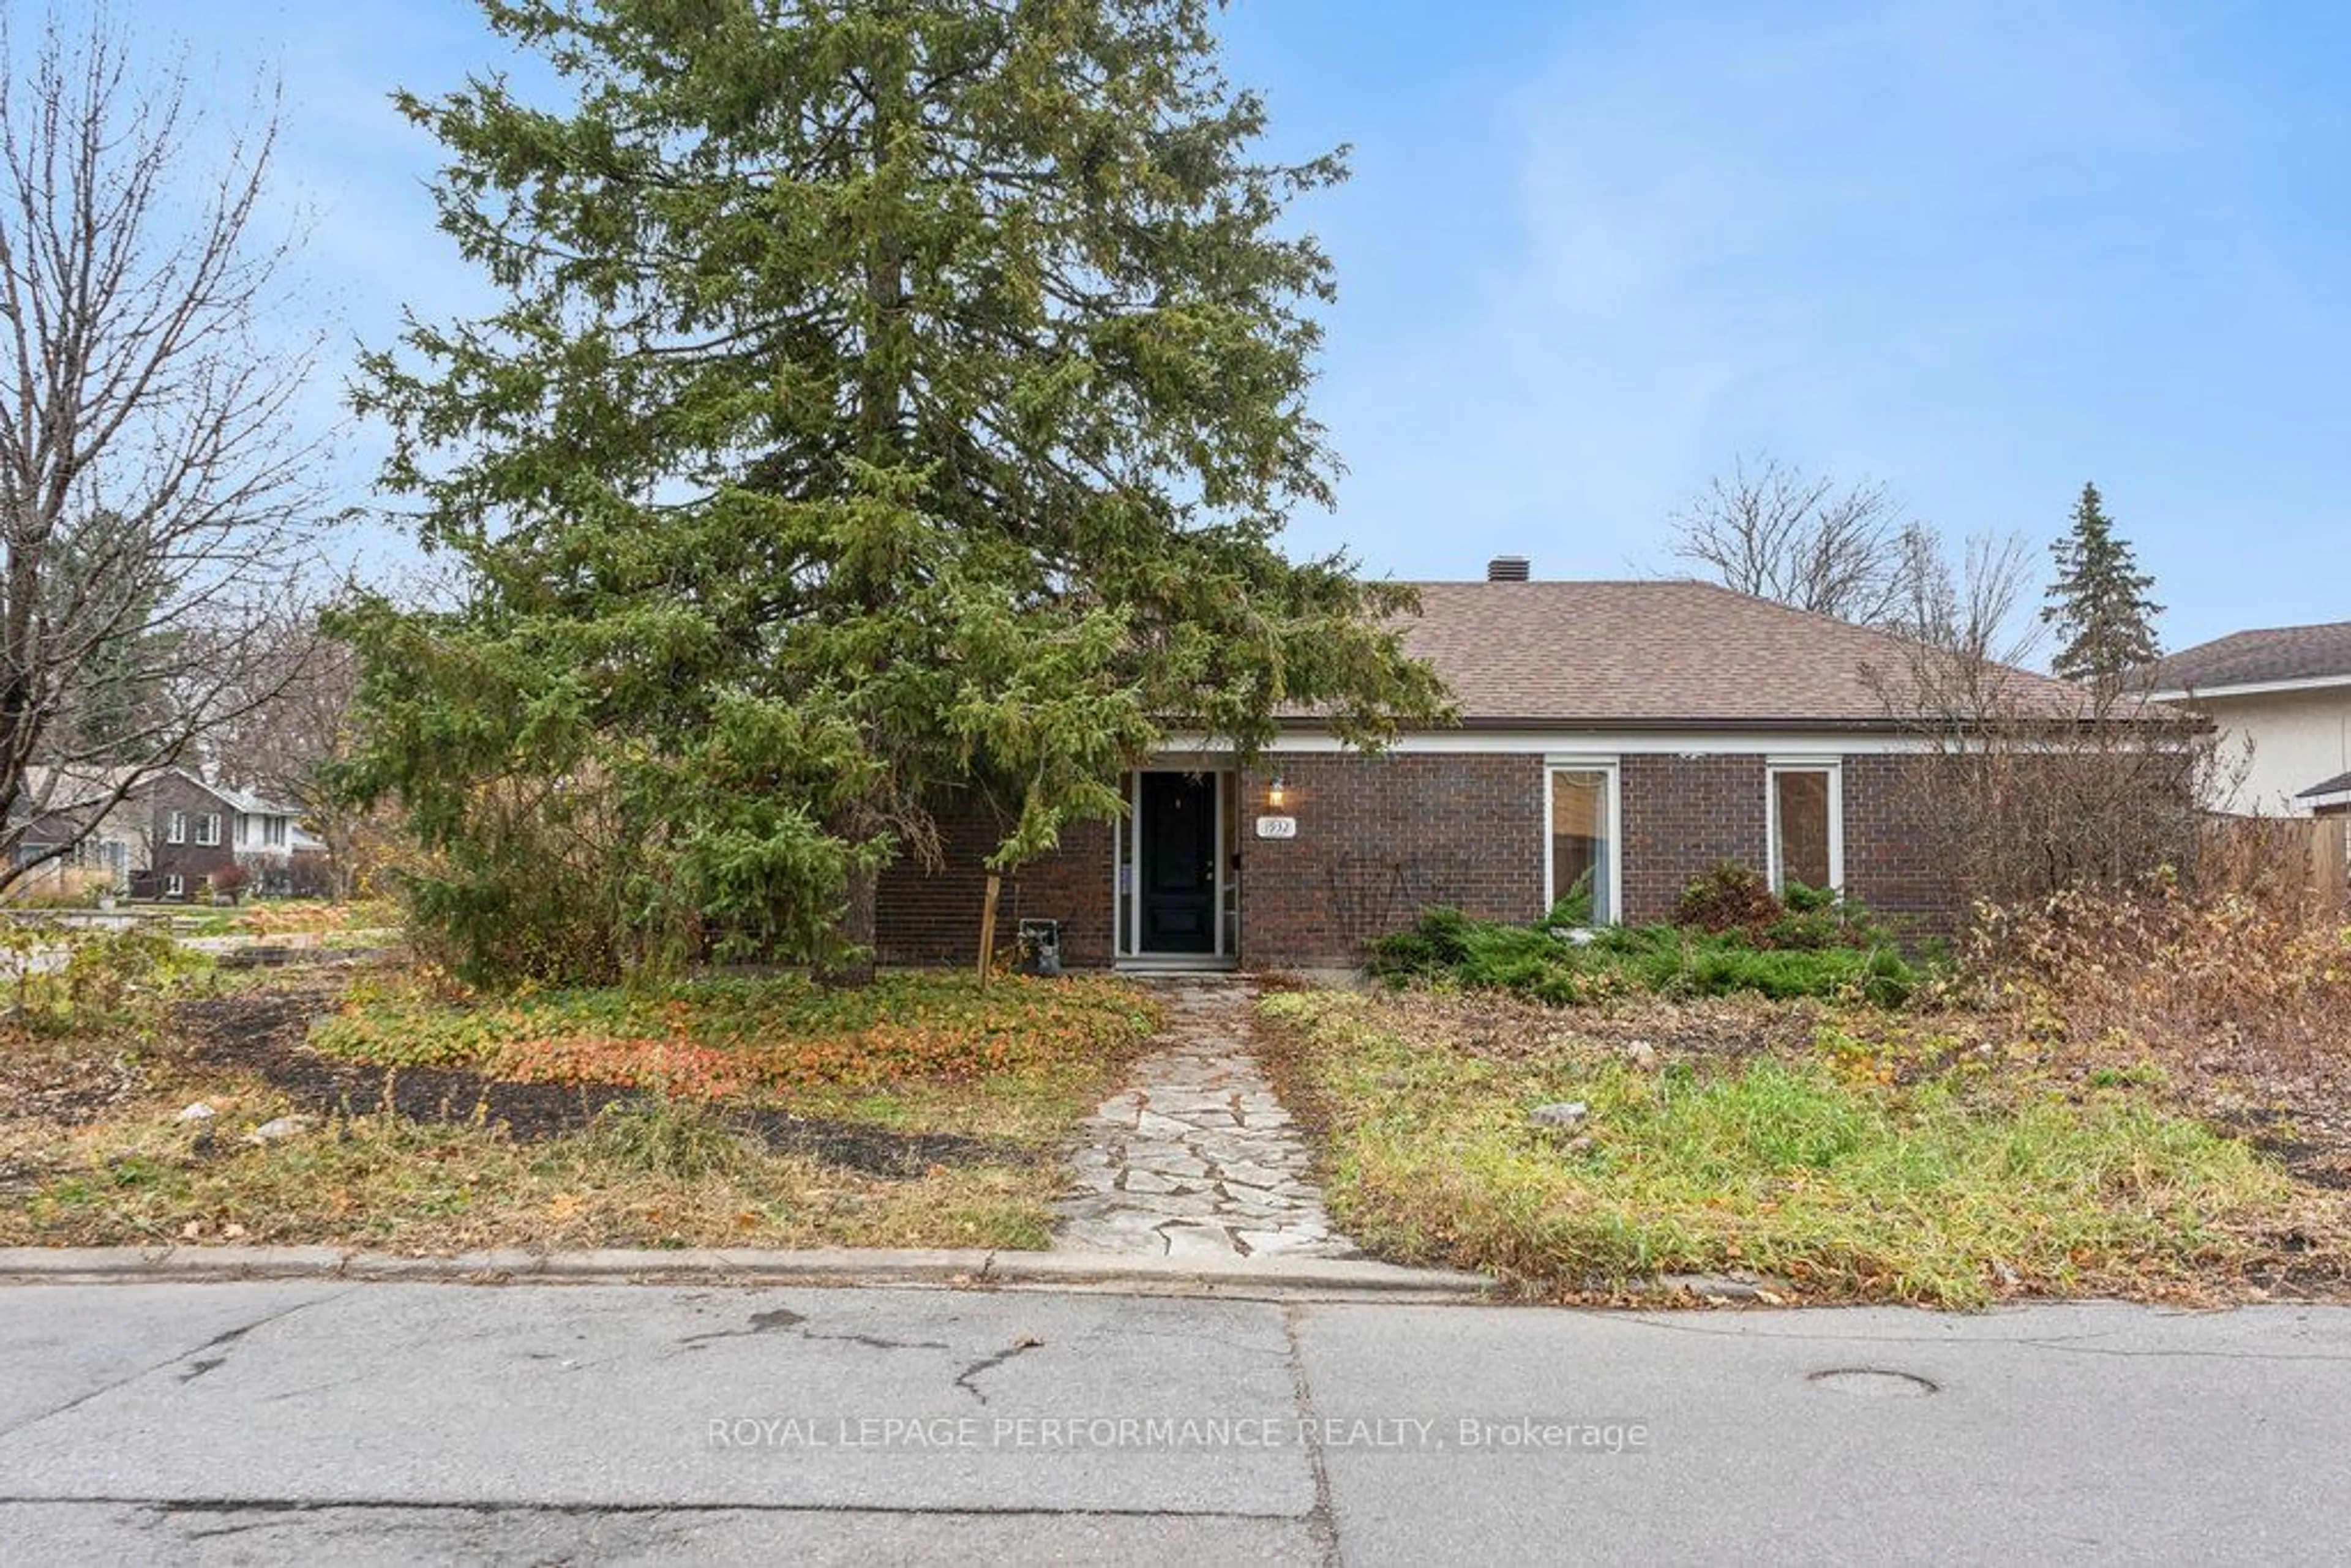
point(721, 1039)
point(64, 979)
point(925, 1110)
point(1830, 1152)
point(1730, 933)
point(276, 919)
point(270, 918)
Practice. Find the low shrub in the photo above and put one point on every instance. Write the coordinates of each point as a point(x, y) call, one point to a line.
point(2162, 966)
point(1573, 910)
point(1838, 959)
point(1728, 897)
point(1735, 898)
point(70, 979)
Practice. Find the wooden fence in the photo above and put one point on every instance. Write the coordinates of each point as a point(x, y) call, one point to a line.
point(2289, 859)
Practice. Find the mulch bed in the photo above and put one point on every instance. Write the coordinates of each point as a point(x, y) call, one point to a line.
point(265, 1033)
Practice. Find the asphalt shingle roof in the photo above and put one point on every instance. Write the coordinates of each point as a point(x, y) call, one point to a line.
point(2256, 658)
point(1663, 653)
point(2338, 785)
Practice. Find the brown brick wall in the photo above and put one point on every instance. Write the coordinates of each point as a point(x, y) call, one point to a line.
point(1380, 839)
point(1682, 815)
point(1889, 863)
point(934, 917)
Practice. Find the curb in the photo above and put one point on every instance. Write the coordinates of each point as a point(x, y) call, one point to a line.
point(1336, 1277)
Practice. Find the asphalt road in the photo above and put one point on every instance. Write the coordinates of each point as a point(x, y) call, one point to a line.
point(259, 1423)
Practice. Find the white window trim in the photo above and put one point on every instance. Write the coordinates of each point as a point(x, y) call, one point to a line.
point(175, 885)
point(175, 829)
point(1834, 768)
point(1554, 765)
point(208, 828)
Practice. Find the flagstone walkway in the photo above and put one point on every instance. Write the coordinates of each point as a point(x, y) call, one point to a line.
point(1196, 1158)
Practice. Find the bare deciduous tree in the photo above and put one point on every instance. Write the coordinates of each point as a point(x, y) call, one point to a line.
point(2025, 785)
point(284, 746)
point(1967, 616)
point(1772, 530)
point(155, 508)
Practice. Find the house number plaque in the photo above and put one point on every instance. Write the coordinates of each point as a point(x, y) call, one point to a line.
point(1277, 827)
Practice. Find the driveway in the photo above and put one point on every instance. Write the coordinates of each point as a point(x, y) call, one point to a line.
point(266, 1422)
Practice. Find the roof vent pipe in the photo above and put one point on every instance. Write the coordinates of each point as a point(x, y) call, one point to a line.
point(1506, 569)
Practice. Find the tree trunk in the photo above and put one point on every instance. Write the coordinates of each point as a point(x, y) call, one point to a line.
point(881, 375)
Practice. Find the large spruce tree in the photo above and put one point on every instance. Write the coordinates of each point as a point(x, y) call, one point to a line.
point(2106, 622)
point(889, 395)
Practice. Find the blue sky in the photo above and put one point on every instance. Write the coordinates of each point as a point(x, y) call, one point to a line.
point(1593, 252)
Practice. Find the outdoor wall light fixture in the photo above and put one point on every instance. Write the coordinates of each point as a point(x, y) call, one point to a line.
point(1277, 792)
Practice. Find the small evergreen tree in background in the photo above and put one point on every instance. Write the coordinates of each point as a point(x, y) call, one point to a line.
point(2106, 622)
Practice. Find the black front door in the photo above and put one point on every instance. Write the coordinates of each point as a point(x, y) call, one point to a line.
point(1179, 863)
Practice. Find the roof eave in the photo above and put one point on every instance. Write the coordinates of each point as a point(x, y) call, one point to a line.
point(2189, 693)
point(1526, 724)
point(1749, 726)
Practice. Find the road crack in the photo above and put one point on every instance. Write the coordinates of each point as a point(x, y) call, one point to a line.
point(785, 1318)
point(966, 1379)
point(221, 1341)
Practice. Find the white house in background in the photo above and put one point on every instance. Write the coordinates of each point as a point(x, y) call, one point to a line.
point(266, 830)
point(2329, 797)
point(2287, 690)
point(61, 806)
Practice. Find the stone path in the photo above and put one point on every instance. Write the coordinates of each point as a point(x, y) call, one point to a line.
point(1196, 1158)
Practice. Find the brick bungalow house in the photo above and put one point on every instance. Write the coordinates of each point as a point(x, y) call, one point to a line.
point(1631, 733)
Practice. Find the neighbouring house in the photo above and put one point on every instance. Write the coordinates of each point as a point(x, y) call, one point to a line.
point(105, 838)
point(2329, 797)
point(170, 837)
point(1626, 736)
point(2284, 692)
point(284, 860)
point(200, 832)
